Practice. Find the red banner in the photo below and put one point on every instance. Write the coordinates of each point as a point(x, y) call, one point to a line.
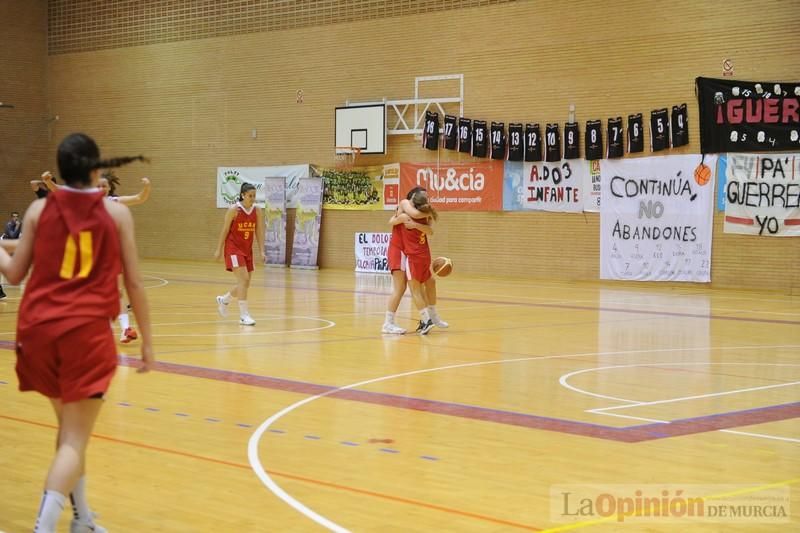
point(476, 186)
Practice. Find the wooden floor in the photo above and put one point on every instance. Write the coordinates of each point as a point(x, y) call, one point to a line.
point(313, 415)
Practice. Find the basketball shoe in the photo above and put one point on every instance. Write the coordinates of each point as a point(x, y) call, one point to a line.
point(438, 322)
point(128, 335)
point(85, 527)
point(392, 329)
point(222, 307)
point(247, 320)
point(424, 327)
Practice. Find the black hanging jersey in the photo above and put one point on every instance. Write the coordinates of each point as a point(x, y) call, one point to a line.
point(635, 133)
point(615, 137)
point(480, 142)
point(679, 126)
point(430, 135)
point(516, 142)
point(498, 134)
point(533, 143)
point(552, 142)
point(465, 135)
point(450, 132)
point(659, 130)
point(594, 140)
point(571, 140)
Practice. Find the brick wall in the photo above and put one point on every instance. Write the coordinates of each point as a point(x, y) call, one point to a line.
point(25, 129)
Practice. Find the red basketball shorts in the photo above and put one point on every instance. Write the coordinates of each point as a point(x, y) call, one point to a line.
point(419, 267)
point(396, 257)
point(71, 359)
point(238, 260)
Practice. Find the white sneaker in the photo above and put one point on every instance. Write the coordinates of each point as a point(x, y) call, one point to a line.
point(439, 323)
point(392, 329)
point(247, 320)
point(222, 307)
point(84, 527)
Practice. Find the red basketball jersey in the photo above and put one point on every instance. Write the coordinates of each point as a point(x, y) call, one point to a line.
point(397, 236)
point(76, 261)
point(242, 232)
point(415, 242)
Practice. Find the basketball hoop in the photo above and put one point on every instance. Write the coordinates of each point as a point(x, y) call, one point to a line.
point(345, 156)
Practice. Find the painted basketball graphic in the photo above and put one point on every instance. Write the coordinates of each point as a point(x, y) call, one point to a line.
point(702, 174)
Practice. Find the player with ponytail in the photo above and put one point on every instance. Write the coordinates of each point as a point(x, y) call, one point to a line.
point(409, 261)
point(243, 224)
point(108, 183)
point(65, 346)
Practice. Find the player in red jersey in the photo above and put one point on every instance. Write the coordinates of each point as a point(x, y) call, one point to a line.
point(65, 347)
point(108, 183)
point(243, 224)
point(398, 263)
point(418, 255)
point(397, 267)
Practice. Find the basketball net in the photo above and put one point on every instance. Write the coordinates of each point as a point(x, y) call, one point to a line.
point(345, 156)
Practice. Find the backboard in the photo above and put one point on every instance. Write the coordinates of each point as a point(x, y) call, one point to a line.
point(362, 126)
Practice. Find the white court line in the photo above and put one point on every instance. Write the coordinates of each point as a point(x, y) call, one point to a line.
point(631, 417)
point(710, 395)
point(634, 403)
point(252, 332)
point(162, 280)
point(563, 380)
point(761, 435)
point(21, 287)
point(252, 445)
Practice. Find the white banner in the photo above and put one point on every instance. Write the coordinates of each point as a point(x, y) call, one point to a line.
point(230, 179)
point(592, 191)
point(307, 220)
point(275, 221)
point(656, 218)
point(371, 250)
point(762, 194)
point(554, 186)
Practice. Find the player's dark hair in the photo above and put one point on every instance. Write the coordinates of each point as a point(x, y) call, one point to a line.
point(113, 181)
point(78, 155)
point(414, 191)
point(420, 202)
point(246, 187)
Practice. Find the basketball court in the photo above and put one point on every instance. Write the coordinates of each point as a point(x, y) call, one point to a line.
point(548, 404)
point(314, 417)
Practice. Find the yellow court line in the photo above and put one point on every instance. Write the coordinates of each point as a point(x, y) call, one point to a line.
point(613, 518)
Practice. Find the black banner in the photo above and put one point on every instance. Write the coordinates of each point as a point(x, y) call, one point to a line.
point(746, 116)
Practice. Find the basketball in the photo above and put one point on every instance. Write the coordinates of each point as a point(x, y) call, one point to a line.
point(702, 174)
point(442, 267)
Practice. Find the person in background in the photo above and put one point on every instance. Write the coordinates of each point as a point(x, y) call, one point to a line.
point(13, 227)
point(40, 186)
point(11, 231)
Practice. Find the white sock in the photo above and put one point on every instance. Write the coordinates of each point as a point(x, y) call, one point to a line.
point(80, 505)
point(243, 308)
point(432, 311)
point(124, 321)
point(389, 317)
point(425, 315)
point(226, 298)
point(49, 512)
